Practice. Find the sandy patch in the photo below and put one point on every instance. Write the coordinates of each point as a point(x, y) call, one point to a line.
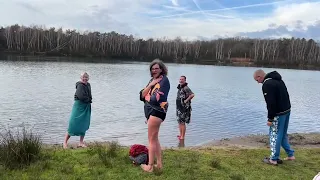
point(308, 140)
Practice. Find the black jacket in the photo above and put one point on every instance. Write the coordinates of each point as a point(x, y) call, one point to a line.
point(276, 95)
point(83, 92)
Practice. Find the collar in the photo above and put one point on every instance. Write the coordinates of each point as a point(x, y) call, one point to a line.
point(182, 86)
point(266, 80)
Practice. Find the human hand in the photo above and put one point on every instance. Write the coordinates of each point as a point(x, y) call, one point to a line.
point(155, 81)
point(269, 123)
point(185, 101)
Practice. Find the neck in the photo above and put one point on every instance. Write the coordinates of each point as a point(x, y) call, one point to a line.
point(155, 77)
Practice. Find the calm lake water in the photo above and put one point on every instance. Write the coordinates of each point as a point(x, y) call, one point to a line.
point(228, 101)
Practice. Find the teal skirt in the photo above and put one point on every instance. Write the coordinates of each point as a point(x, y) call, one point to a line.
point(79, 121)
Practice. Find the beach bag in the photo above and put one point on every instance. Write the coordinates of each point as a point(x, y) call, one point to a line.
point(138, 154)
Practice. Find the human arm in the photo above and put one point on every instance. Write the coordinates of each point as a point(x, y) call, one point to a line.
point(81, 93)
point(144, 92)
point(190, 94)
point(269, 93)
point(163, 88)
point(90, 95)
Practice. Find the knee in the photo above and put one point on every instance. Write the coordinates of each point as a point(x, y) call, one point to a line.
point(153, 136)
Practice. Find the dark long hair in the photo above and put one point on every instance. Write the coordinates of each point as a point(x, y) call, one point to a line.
point(161, 65)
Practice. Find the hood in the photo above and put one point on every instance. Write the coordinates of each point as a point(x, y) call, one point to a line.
point(77, 83)
point(181, 86)
point(273, 75)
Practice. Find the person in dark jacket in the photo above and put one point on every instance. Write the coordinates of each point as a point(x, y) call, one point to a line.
point(279, 108)
point(79, 121)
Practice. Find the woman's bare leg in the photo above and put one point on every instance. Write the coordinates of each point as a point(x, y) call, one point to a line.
point(159, 155)
point(82, 142)
point(153, 131)
point(66, 138)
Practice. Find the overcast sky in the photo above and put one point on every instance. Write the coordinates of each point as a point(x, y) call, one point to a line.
point(171, 18)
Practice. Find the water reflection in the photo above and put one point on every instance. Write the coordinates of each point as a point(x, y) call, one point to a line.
point(181, 143)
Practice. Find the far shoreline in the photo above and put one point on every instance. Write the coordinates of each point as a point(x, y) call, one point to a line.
point(17, 57)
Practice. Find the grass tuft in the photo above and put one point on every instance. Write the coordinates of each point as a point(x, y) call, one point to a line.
point(237, 177)
point(19, 150)
point(215, 163)
point(106, 154)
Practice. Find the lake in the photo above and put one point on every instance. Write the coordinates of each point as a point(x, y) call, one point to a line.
point(228, 102)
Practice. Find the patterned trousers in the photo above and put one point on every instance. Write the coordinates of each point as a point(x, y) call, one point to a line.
point(278, 137)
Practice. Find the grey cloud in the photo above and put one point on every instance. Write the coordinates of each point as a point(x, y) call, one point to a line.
point(312, 31)
point(29, 7)
point(99, 20)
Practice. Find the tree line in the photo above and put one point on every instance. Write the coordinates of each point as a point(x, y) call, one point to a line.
point(42, 41)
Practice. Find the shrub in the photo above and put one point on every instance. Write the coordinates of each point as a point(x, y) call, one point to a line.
point(19, 150)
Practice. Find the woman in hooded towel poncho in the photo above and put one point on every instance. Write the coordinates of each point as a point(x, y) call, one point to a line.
point(79, 121)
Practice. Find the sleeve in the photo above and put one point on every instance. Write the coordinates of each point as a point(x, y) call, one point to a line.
point(163, 91)
point(90, 94)
point(80, 92)
point(188, 91)
point(270, 98)
point(140, 93)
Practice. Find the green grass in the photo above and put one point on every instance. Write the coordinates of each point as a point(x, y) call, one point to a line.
point(112, 162)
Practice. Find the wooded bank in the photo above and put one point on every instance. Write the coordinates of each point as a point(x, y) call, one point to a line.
point(294, 52)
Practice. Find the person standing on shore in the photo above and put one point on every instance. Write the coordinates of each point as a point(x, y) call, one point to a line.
point(79, 121)
point(183, 106)
point(154, 96)
point(279, 109)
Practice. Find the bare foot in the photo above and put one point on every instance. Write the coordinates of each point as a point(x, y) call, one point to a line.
point(65, 145)
point(147, 168)
point(289, 158)
point(82, 145)
point(269, 161)
point(158, 167)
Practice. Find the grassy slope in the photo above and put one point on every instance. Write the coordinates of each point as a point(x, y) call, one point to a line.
point(208, 163)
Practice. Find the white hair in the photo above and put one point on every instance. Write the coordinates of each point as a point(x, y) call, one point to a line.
point(84, 74)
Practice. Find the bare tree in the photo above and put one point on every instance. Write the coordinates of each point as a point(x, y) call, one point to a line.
point(42, 40)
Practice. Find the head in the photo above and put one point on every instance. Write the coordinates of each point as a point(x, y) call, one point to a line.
point(157, 68)
point(182, 80)
point(259, 75)
point(84, 77)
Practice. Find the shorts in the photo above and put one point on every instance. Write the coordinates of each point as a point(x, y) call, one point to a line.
point(149, 111)
point(183, 116)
